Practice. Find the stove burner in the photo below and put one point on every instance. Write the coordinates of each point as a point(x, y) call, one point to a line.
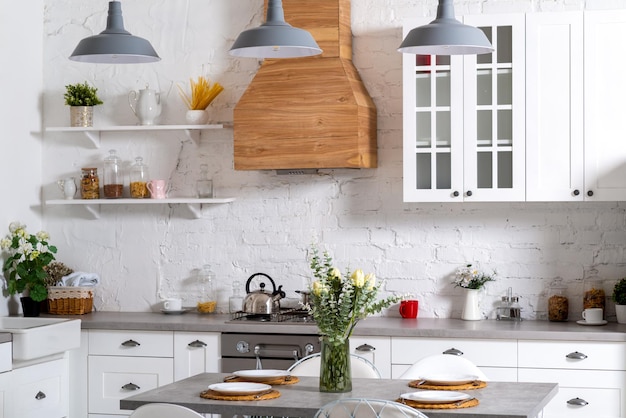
point(289, 315)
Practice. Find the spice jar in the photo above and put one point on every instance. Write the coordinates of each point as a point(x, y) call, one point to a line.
point(558, 304)
point(113, 183)
point(207, 301)
point(594, 296)
point(139, 179)
point(89, 183)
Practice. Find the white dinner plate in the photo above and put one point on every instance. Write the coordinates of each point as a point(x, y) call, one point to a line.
point(239, 388)
point(449, 379)
point(261, 375)
point(435, 396)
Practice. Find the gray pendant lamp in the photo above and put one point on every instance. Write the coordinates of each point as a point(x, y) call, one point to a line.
point(275, 38)
point(114, 45)
point(445, 36)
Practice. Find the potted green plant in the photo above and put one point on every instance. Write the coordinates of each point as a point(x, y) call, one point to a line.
point(24, 268)
point(81, 97)
point(619, 297)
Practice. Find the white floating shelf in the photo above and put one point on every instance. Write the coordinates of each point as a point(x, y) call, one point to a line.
point(195, 205)
point(94, 133)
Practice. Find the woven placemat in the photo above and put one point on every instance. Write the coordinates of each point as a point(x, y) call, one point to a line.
point(448, 405)
point(211, 394)
point(282, 380)
point(477, 384)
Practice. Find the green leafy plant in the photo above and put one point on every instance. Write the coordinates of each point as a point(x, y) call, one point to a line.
point(81, 95)
point(339, 301)
point(619, 292)
point(24, 269)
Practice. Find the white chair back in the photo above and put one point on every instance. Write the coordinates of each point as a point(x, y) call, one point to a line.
point(164, 410)
point(367, 408)
point(443, 364)
point(310, 366)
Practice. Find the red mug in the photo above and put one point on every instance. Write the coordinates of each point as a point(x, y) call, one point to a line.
point(408, 308)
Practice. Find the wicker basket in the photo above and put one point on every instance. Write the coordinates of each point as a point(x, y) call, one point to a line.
point(70, 300)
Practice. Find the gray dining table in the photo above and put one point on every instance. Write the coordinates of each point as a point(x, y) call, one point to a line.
point(303, 399)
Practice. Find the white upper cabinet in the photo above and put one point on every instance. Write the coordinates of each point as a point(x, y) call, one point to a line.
point(464, 119)
point(554, 107)
point(605, 105)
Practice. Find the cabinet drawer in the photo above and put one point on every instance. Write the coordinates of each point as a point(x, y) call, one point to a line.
point(39, 391)
point(493, 353)
point(603, 390)
point(109, 375)
point(131, 343)
point(582, 355)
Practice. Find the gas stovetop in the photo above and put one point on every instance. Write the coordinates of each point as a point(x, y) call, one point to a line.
point(287, 315)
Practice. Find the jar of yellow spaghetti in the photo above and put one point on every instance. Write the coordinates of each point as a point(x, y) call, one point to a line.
point(207, 301)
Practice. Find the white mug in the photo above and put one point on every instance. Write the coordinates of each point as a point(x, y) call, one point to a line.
point(593, 315)
point(173, 304)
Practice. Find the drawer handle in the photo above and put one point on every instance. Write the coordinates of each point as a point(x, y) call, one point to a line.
point(366, 348)
point(578, 401)
point(453, 351)
point(130, 386)
point(131, 343)
point(40, 395)
point(197, 344)
point(576, 356)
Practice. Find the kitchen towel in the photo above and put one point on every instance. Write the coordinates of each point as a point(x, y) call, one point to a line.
point(79, 278)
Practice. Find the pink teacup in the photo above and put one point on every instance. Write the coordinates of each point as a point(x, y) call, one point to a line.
point(157, 188)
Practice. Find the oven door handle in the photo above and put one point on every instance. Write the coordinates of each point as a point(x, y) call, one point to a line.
point(275, 350)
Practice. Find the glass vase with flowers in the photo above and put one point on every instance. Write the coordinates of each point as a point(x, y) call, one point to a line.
point(337, 302)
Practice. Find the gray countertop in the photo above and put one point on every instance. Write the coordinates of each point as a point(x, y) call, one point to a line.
point(303, 399)
point(5, 337)
point(372, 326)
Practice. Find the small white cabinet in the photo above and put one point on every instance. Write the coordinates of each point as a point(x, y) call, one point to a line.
point(591, 376)
point(496, 358)
point(464, 126)
point(195, 353)
point(375, 349)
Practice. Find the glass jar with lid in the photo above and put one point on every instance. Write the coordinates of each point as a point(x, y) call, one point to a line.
point(558, 304)
point(113, 181)
point(139, 179)
point(593, 294)
point(89, 183)
point(207, 301)
point(204, 185)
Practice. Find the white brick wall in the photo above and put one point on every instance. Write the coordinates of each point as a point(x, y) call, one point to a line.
point(145, 252)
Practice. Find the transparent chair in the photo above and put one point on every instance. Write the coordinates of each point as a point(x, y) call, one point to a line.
point(164, 410)
point(441, 365)
point(367, 408)
point(310, 366)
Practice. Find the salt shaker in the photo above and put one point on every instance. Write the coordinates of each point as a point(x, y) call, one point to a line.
point(235, 302)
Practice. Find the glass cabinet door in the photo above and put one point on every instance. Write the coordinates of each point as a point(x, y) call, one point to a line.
point(494, 112)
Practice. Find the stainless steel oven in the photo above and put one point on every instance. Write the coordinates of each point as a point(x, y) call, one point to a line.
point(244, 351)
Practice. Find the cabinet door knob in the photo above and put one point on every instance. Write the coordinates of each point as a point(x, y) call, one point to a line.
point(577, 401)
point(130, 386)
point(366, 348)
point(469, 193)
point(590, 193)
point(455, 194)
point(576, 356)
point(40, 395)
point(197, 344)
point(576, 192)
point(131, 343)
point(453, 351)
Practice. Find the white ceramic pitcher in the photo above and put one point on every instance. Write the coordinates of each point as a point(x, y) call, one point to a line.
point(146, 105)
point(68, 187)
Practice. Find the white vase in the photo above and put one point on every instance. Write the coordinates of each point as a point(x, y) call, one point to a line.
point(620, 312)
point(196, 117)
point(471, 308)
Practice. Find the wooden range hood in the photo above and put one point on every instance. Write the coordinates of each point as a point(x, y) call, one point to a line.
point(314, 112)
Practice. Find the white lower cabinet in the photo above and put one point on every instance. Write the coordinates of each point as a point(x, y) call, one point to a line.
point(36, 391)
point(496, 358)
point(125, 363)
point(195, 353)
point(591, 376)
point(375, 349)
